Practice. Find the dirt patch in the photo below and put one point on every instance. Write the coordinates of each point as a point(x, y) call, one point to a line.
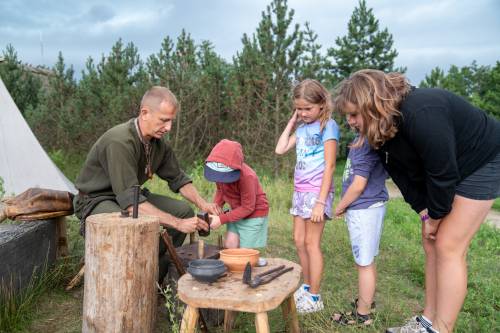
point(493, 217)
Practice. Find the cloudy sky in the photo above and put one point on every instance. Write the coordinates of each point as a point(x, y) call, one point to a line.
point(427, 33)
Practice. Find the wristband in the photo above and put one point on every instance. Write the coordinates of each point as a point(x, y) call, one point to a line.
point(321, 202)
point(424, 218)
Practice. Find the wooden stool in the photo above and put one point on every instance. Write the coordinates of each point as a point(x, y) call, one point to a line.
point(230, 294)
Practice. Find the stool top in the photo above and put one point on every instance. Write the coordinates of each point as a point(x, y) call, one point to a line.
point(229, 292)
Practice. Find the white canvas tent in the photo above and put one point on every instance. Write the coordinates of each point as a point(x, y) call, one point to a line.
point(23, 161)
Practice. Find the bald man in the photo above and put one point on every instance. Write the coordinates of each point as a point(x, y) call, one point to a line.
point(131, 153)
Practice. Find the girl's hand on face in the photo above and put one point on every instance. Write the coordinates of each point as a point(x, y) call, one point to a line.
point(214, 222)
point(293, 120)
point(318, 213)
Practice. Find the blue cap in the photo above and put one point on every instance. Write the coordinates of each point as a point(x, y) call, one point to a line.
point(220, 173)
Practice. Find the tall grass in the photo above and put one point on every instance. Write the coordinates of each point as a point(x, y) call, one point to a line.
point(16, 307)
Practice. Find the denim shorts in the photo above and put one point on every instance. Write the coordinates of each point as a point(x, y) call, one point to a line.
point(482, 184)
point(365, 229)
point(303, 204)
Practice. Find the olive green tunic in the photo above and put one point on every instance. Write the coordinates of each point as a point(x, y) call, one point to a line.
point(117, 162)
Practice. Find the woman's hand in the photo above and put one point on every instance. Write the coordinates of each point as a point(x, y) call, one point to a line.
point(318, 213)
point(214, 222)
point(430, 229)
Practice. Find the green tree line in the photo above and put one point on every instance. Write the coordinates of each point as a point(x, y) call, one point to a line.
point(246, 99)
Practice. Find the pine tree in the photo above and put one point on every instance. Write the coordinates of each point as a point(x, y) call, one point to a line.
point(364, 46)
point(434, 80)
point(490, 99)
point(52, 119)
point(313, 63)
point(23, 86)
point(263, 74)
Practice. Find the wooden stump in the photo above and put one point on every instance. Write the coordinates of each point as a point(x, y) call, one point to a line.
point(121, 271)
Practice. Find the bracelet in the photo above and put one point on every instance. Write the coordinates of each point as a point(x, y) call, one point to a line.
point(321, 202)
point(424, 218)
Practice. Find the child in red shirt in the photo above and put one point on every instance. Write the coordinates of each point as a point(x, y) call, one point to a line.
point(239, 187)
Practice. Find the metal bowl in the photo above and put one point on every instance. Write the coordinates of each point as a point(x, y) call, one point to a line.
point(206, 270)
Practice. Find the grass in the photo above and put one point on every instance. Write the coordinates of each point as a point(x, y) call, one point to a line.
point(400, 270)
point(496, 204)
point(16, 307)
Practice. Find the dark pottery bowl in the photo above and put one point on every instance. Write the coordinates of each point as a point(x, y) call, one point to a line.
point(206, 270)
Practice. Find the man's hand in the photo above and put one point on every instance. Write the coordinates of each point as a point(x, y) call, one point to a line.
point(212, 208)
point(214, 222)
point(318, 213)
point(430, 229)
point(184, 225)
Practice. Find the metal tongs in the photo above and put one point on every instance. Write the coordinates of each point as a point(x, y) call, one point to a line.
point(264, 277)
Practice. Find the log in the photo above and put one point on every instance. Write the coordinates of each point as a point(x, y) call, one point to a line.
point(121, 272)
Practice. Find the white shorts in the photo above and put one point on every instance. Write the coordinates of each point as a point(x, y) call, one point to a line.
point(365, 229)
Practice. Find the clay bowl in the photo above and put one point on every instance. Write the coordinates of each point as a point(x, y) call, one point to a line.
point(206, 270)
point(236, 259)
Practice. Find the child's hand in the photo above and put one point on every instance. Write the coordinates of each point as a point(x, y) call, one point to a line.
point(318, 213)
point(214, 222)
point(339, 211)
point(294, 118)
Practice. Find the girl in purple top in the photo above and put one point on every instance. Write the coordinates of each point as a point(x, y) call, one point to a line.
point(315, 135)
point(363, 201)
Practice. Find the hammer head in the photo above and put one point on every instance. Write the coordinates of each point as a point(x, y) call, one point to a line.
point(247, 273)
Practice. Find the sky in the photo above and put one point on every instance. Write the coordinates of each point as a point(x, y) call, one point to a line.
point(427, 33)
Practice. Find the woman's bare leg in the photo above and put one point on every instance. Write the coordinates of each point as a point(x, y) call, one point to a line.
point(453, 238)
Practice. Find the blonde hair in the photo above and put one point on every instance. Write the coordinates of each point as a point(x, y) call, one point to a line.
point(377, 96)
point(315, 93)
point(156, 95)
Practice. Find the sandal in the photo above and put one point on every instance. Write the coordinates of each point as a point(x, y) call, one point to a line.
point(355, 306)
point(352, 319)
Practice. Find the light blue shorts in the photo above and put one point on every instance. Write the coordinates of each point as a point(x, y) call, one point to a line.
point(252, 232)
point(365, 229)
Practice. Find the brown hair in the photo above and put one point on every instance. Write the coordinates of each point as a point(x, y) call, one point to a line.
point(313, 92)
point(156, 95)
point(377, 96)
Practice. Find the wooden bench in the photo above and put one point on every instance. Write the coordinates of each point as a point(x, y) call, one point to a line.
point(230, 294)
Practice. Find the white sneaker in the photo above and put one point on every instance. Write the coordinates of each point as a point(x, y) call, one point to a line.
point(411, 326)
point(299, 294)
point(307, 305)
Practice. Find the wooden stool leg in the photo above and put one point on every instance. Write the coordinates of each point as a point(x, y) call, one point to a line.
point(261, 323)
point(229, 318)
point(61, 237)
point(189, 319)
point(290, 314)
